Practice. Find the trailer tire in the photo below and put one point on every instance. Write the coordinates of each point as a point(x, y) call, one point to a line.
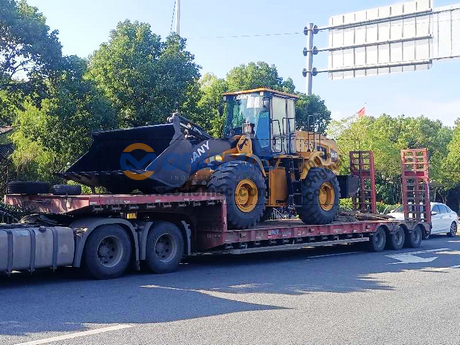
point(244, 188)
point(414, 238)
point(26, 187)
point(165, 248)
point(378, 240)
point(397, 239)
point(65, 189)
point(320, 197)
point(107, 252)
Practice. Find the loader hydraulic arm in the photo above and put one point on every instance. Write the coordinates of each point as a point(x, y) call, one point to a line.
point(190, 128)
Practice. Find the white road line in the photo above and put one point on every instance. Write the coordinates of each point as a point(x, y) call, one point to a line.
point(329, 255)
point(76, 335)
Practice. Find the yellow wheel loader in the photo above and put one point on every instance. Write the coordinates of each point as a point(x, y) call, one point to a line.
point(262, 162)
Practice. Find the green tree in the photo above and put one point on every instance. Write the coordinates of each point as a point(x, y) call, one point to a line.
point(144, 78)
point(29, 53)
point(254, 75)
point(312, 113)
point(58, 131)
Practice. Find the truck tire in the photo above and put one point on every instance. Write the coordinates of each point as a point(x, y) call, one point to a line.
point(107, 252)
point(65, 189)
point(414, 238)
point(453, 230)
point(397, 239)
point(320, 197)
point(165, 248)
point(22, 187)
point(244, 187)
point(378, 240)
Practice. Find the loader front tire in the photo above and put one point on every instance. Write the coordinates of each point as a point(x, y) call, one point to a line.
point(244, 188)
point(320, 197)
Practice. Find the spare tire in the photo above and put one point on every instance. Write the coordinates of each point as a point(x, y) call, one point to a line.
point(65, 189)
point(25, 187)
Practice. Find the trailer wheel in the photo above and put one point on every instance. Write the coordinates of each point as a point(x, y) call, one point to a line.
point(165, 248)
point(244, 187)
point(414, 238)
point(378, 240)
point(26, 187)
point(397, 239)
point(107, 252)
point(320, 196)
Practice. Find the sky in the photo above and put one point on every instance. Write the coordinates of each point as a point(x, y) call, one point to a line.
point(208, 26)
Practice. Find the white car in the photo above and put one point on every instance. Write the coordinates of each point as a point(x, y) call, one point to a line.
point(443, 219)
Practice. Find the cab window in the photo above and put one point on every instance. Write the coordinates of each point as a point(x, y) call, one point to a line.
point(443, 209)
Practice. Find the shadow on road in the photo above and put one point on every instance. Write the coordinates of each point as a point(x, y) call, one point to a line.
point(204, 286)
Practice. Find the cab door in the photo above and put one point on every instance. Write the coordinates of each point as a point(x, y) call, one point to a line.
point(283, 125)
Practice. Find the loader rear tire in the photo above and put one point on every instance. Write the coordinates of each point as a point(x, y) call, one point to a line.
point(267, 214)
point(320, 196)
point(244, 187)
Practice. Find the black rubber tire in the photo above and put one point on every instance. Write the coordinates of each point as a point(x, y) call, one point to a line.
point(267, 214)
point(25, 187)
point(378, 240)
point(65, 189)
point(453, 230)
point(92, 263)
point(414, 238)
point(311, 211)
point(225, 180)
point(397, 239)
point(154, 260)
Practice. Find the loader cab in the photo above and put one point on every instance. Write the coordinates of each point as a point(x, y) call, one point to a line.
point(266, 116)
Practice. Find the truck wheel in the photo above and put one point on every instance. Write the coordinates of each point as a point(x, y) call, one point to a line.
point(21, 187)
point(165, 248)
point(414, 238)
point(244, 187)
point(378, 240)
point(320, 197)
point(107, 252)
point(397, 239)
point(453, 230)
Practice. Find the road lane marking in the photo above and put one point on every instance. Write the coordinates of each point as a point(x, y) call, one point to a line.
point(76, 335)
point(411, 258)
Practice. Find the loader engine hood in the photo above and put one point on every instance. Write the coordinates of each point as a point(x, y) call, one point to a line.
point(152, 159)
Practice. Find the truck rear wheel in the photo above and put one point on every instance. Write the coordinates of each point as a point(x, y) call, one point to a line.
point(414, 238)
point(107, 252)
point(320, 197)
point(397, 239)
point(378, 240)
point(244, 187)
point(165, 248)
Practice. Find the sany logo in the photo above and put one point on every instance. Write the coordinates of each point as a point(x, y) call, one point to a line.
point(200, 151)
point(126, 157)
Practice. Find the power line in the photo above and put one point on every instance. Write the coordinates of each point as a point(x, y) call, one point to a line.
point(249, 36)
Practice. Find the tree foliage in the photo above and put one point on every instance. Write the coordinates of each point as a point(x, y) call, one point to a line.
point(58, 130)
point(386, 136)
point(144, 78)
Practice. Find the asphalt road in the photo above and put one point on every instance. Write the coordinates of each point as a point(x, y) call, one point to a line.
point(322, 296)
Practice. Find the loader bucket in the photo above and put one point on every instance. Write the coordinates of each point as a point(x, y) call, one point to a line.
point(150, 159)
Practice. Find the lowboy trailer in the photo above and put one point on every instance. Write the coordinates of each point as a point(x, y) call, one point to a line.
point(107, 234)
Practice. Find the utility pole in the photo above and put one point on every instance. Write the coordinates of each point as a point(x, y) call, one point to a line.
point(178, 17)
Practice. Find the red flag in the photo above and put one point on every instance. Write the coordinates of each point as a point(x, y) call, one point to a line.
point(362, 112)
